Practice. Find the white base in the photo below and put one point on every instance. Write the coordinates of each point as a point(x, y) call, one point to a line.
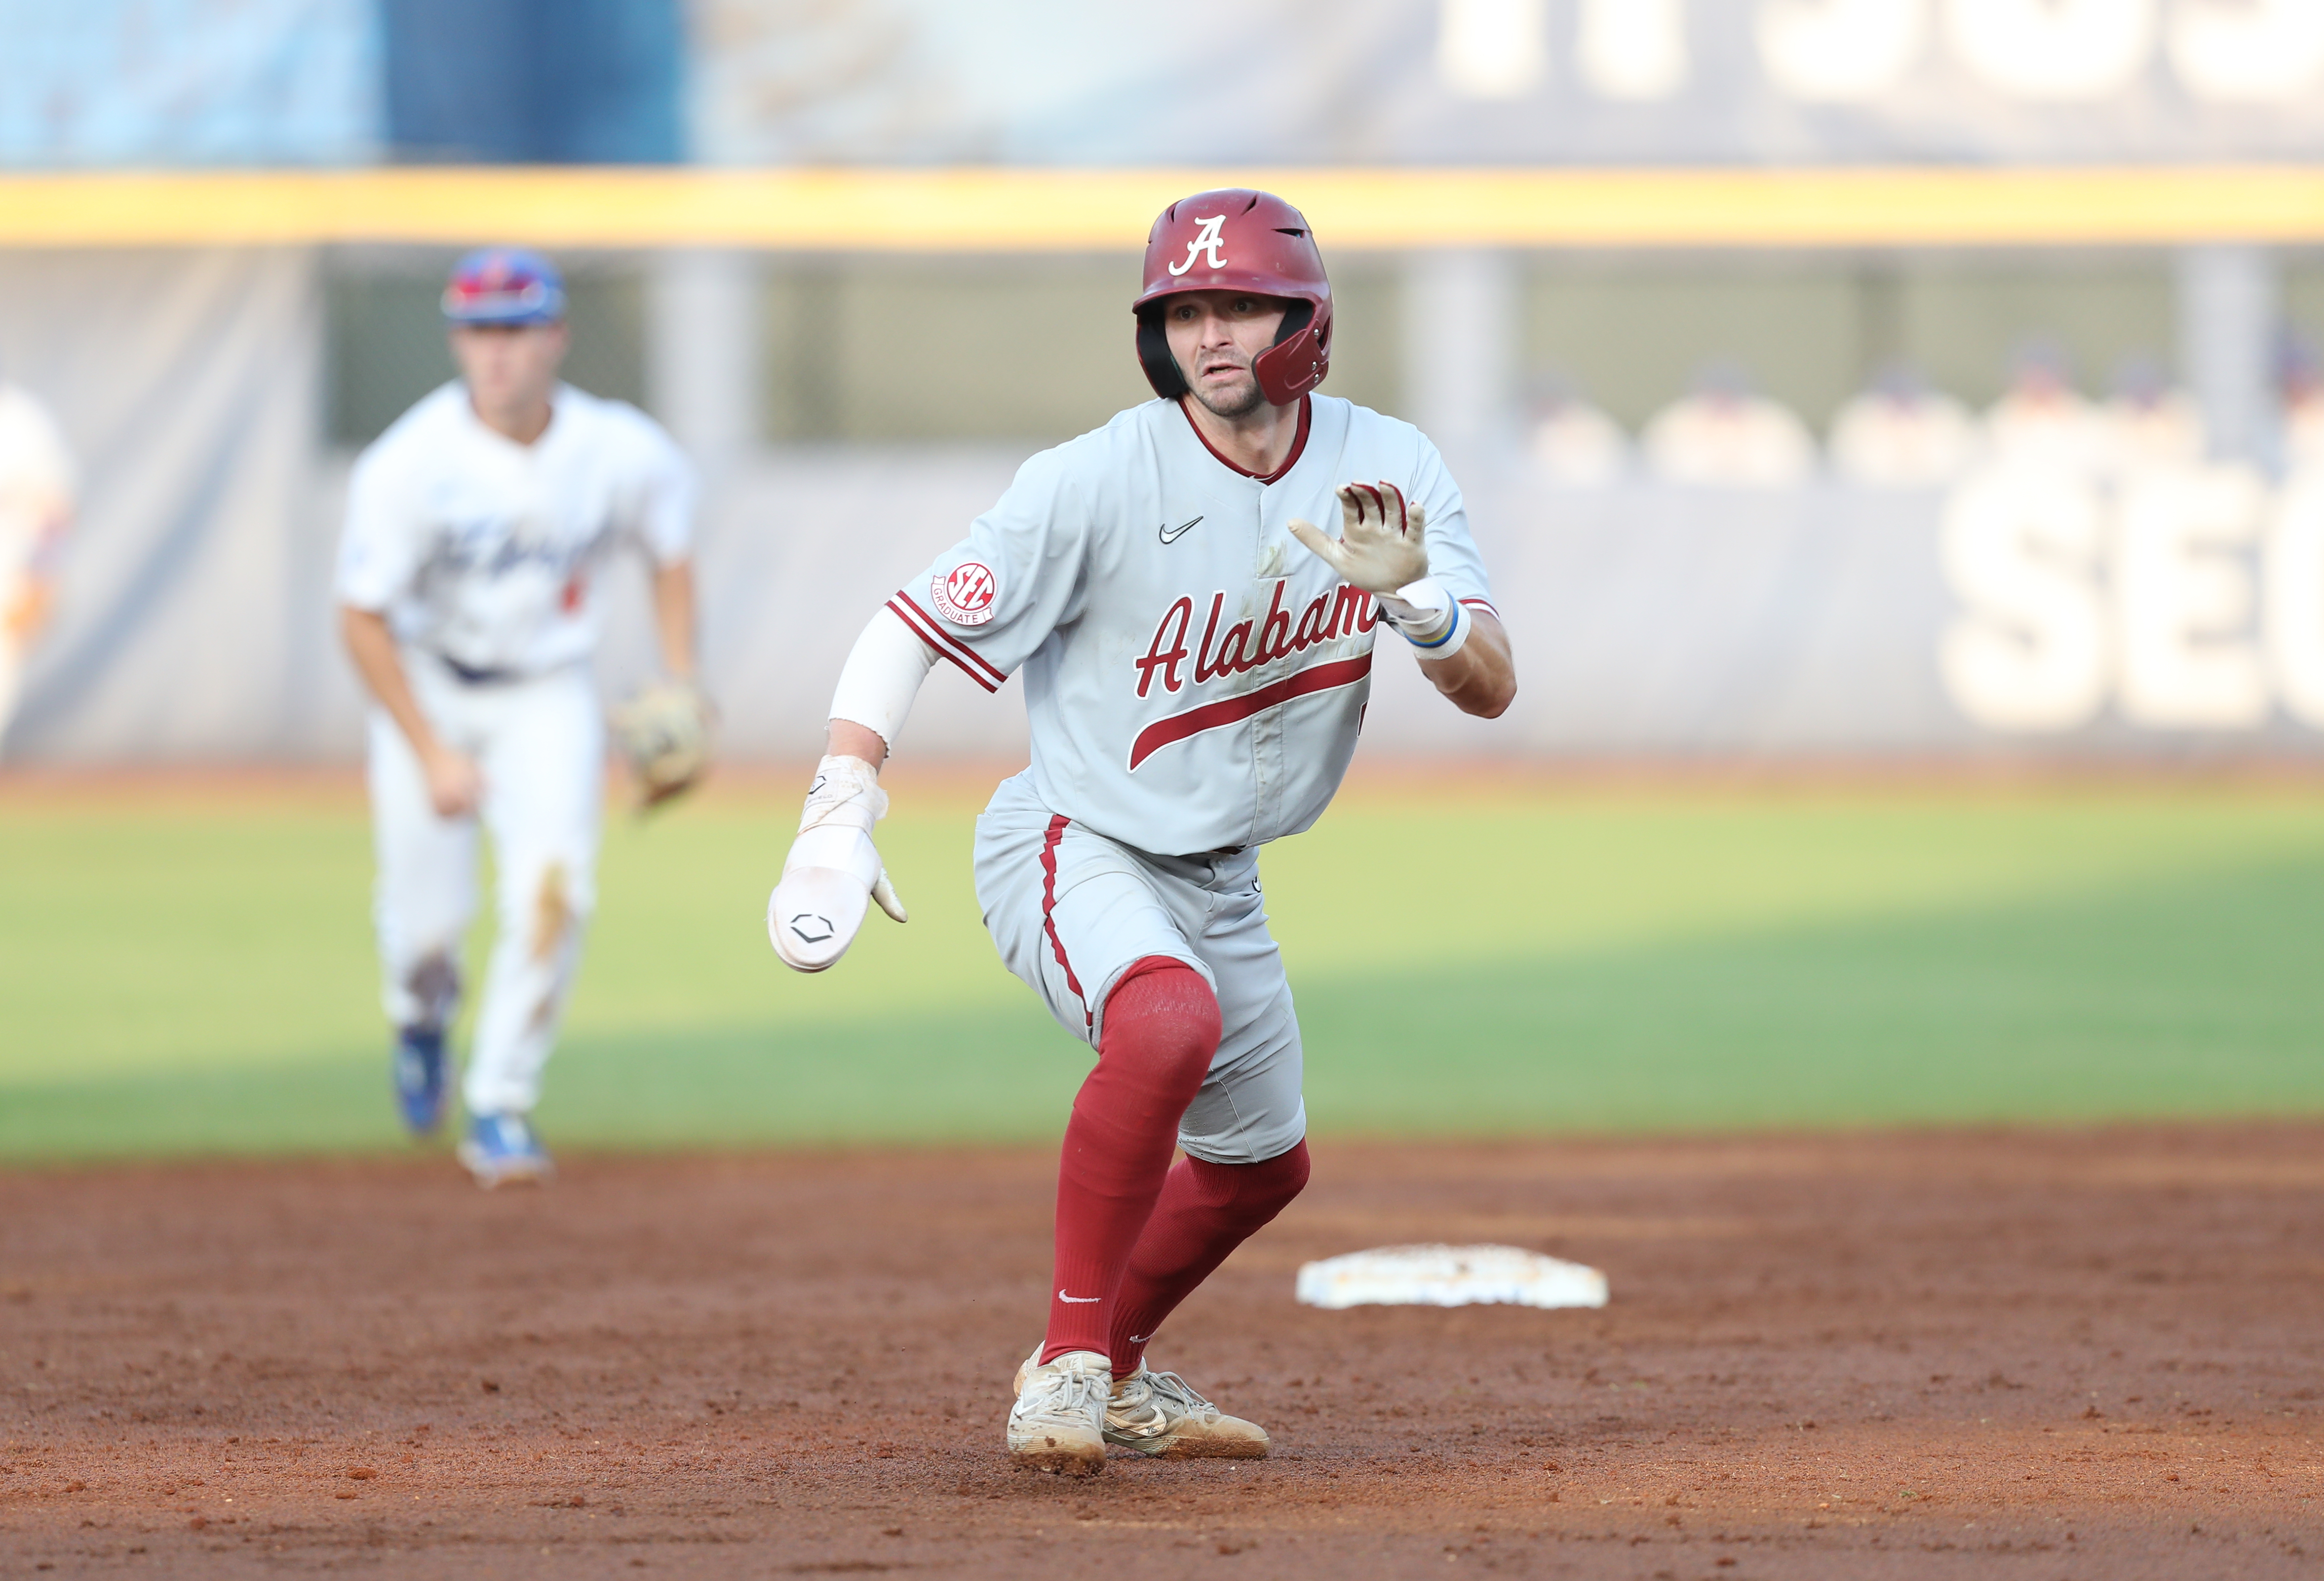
point(1449, 1276)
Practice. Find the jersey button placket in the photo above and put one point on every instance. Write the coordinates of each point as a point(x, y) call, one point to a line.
point(1275, 547)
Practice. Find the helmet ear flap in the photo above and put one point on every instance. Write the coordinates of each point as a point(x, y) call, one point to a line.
point(1299, 358)
point(1162, 370)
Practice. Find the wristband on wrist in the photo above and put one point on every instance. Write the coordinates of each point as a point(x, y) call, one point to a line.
point(1449, 642)
point(1426, 614)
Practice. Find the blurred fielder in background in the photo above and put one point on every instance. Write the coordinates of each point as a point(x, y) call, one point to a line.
point(476, 526)
point(1197, 655)
point(36, 506)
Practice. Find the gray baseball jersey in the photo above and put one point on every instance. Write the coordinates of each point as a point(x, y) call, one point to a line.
point(1195, 678)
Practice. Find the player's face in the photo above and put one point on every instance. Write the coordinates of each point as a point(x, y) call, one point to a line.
point(1216, 337)
point(509, 366)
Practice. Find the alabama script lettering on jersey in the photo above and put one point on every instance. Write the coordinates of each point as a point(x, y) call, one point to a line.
point(1195, 678)
point(481, 550)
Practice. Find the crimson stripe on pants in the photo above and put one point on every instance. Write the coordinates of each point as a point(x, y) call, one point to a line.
point(1050, 910)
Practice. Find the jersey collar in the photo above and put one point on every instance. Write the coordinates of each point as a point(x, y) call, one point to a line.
point(1298, 444)
point(556, 404)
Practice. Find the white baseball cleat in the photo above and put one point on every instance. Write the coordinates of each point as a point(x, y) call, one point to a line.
point(1159, 1414)
point(1058, 1422)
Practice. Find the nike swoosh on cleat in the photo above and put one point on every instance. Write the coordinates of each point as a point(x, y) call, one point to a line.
point(1171, 535)
point(1080, 1300)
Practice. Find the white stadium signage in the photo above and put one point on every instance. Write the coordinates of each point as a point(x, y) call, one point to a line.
point(2056, 51)
point(2188, 598)
point(1841, 51)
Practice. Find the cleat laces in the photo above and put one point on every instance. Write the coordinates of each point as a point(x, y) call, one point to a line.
point(1151, 1404)
point(1062, 1394)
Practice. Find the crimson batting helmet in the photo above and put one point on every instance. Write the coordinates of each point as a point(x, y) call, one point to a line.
point(1238, 240)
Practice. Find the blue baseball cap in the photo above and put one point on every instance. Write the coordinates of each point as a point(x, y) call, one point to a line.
point(504, 285)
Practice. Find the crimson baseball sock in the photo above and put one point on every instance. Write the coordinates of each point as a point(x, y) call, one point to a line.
point(1161, 1029)
point(1206, 1210)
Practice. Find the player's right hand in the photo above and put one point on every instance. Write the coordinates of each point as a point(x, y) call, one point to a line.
point(1383, 543)
point(833, 871)
point(455, 786)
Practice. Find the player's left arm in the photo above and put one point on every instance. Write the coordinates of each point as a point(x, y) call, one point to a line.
point(1482, 678)
point(661, 523)
point(1384, 548)
point(674, 617)
point(665, 730)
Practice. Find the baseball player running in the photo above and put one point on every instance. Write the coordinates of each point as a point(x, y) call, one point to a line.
point(475, 527)
point(1197, 655)
point(36, 506)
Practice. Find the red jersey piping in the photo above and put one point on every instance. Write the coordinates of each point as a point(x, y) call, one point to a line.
point(1298, 444)
point(946, 646)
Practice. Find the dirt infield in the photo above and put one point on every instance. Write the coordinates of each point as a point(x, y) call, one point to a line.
point(2090, 1355)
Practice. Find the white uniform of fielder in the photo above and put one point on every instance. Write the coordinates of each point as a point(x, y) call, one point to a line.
point(477, 528)
point(36, 505)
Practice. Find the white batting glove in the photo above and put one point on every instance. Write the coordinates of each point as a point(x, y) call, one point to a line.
point(834, 871)
point(1382, 544)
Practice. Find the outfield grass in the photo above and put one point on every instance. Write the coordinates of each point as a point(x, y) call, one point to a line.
point(185, 973)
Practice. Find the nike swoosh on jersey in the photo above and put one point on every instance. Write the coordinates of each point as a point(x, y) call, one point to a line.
point(1080, 1300)
point(1171, 535)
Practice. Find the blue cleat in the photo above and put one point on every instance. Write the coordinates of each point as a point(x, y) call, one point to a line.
point(420, 1078)
point(500, 1148)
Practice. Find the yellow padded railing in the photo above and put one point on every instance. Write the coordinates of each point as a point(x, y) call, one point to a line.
point(985, 210)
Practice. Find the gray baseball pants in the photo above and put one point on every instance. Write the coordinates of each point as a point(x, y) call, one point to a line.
point(1071, 911)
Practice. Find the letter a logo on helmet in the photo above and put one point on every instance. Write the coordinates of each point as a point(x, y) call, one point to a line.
point(1207, 239)
point(1239, 240)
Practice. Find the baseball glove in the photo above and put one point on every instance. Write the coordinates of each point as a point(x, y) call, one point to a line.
point(665, 733)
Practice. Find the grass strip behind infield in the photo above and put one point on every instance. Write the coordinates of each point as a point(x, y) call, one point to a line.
point(189, 979)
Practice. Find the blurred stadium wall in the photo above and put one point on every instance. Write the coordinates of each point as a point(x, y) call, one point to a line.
point(223, 223)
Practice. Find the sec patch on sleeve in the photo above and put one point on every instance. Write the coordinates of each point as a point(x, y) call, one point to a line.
point(964, 596)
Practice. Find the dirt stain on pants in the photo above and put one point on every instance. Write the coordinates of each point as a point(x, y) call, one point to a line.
point(435, 982)
point(552, 913)
point(552, 922)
